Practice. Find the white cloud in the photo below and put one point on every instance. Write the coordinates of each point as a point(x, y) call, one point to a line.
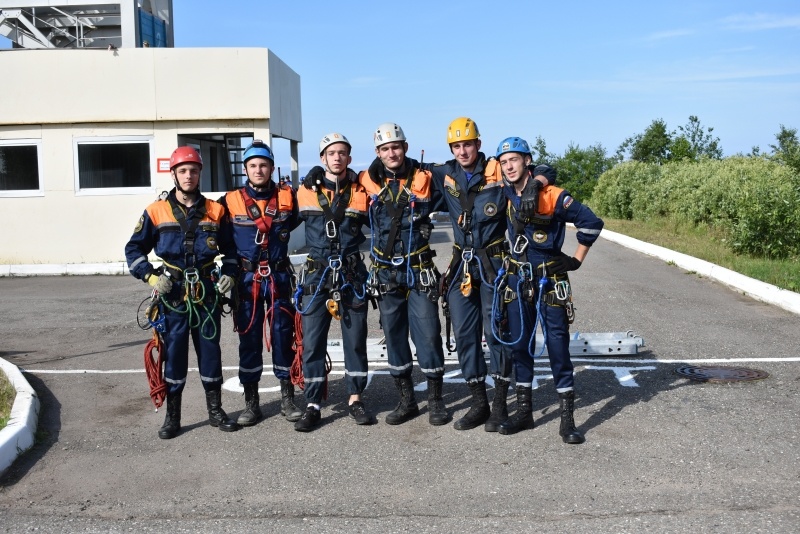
point(668, 34)
point(760, 21)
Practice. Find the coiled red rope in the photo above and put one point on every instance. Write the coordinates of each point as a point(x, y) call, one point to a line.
point(153, 368)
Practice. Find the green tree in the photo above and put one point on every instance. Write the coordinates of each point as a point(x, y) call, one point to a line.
point(539, 153)
point(787, 151)
point(579, 168)
point(694, 142)
point(652, 146)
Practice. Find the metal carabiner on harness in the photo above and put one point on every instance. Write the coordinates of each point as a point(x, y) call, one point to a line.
point(468, 254)
point(333, 309)
point(426, 277)
point(264, 270)
point(191, 276)
point(260, 237)
point(397, 261)
point(525, 271)
point(335, 262)
point(466, 280)
point(562, 290)
point(330, 229)
point(520, 244)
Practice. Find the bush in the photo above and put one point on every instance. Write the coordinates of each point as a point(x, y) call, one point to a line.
point(755, 202)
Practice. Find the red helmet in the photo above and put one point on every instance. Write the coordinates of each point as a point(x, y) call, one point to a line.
point(184, 154)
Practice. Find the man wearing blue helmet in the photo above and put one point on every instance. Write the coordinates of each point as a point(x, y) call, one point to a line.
point(471, 186)
point(262, 214)
point(534, 288)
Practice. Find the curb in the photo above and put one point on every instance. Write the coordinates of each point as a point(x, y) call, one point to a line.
point(783, 298)
point(18, 436)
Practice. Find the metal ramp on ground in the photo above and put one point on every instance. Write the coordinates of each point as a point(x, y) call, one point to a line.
point(581, 344)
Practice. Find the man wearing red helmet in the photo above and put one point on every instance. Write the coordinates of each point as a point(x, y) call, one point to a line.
point(186, 230)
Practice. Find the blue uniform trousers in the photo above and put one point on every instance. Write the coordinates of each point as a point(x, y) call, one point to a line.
point(470, 317)
point(556, 326)
point(419, 315)
point(176, 340)
point(316, 325)
point(274, 293)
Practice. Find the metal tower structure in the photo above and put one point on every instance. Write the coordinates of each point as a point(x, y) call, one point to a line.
point(77, 24)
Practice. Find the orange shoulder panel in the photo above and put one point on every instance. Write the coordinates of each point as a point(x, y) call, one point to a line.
point(548, 198)
point(493, 171)
point(421, 184)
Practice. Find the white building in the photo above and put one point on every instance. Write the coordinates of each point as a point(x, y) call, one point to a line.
point(90, 111)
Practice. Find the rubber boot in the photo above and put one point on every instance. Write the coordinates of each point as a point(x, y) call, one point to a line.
point(172, 421)
point(568, 432)
point(288, 408)
point(437, 414)
point(499, 405)
point(252, 409)
point(523, 417)
point(216, 415)
point(407, 409)
point(479, 411)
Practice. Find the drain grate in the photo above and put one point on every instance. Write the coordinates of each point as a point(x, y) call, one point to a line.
point(720, 374)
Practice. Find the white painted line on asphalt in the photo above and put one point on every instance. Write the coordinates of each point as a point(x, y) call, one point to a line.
point(447, 361)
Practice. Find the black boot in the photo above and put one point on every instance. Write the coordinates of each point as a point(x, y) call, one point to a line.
point(499, 405)
point(288, 408)
point(172, 421)
point(479, 411)
point(216, 415)
point(252, 409)
point(437, 414)
point(568, 432)
point(523, 417)
point(407, 409)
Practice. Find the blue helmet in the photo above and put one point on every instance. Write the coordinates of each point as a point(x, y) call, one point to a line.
point(513, 144)
point(258, 149)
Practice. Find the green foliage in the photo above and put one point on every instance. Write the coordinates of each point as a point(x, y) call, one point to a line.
point(539, 153)
point(579, 168)
point(787, 151)
point(754, 202)
point(658, 145)
point(7, 395)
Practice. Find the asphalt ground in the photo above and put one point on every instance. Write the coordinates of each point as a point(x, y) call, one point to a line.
point(662, 453)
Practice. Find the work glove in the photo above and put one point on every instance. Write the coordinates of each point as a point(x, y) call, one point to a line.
point(314, 177)
point(562, 264)
point(529, 201)
point(162, 283)
point(544, 170)
point(225, 284)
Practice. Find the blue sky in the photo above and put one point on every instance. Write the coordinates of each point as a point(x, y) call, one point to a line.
point(576, 72)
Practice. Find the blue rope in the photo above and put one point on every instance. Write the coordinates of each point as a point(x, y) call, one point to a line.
point(495, 301)
point(539, 320)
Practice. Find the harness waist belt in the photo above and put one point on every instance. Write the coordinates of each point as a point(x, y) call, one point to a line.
point(252, 267)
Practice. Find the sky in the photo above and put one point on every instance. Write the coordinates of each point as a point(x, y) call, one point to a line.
point(580, 73)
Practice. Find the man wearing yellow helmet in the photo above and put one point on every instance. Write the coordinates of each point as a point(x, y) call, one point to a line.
point(472, 189)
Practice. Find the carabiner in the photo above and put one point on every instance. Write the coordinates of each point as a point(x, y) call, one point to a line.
point(525, 271)
point(260, 237)
point(330, 229)
point(468, 254)
point(191, 276)
point(335, 262)
point(520, 244)
point(398, 260)
point(425, 277)
point(466, 284)
point(264, 270)
point(333, 309)
point(562, 290)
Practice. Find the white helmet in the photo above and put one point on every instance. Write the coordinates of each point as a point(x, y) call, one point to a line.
point(331, 139)
point(388, 132)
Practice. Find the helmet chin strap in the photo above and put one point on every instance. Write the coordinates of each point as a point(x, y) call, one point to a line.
point(187, 195)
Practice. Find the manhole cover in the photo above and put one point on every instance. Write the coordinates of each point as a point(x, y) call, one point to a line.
point(720, 374)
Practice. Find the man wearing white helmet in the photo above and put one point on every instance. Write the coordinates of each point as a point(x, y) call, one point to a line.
point(403, 277)
point(332, 282)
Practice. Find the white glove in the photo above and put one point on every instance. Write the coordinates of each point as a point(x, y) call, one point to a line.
point(162, 283)
point(225, 284)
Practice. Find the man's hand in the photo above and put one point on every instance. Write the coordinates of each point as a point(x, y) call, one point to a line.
point(225, 284)
point(314, 177)
point(162, 283)
point(529, 201)
point(562, 264)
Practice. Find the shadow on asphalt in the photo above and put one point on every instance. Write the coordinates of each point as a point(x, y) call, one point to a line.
point(46, 436)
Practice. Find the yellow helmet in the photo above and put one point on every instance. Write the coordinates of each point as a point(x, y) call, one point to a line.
point(462, 129)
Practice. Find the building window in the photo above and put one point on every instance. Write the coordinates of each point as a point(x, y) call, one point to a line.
point(19, 168)
point(119, 163)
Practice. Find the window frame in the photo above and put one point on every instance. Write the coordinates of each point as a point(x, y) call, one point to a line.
point(113, 140)
point(38, 192)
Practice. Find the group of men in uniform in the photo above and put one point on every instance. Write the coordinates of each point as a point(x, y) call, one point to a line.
point(507, 276)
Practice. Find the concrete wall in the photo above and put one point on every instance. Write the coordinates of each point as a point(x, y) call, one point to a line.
point(63, 95)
